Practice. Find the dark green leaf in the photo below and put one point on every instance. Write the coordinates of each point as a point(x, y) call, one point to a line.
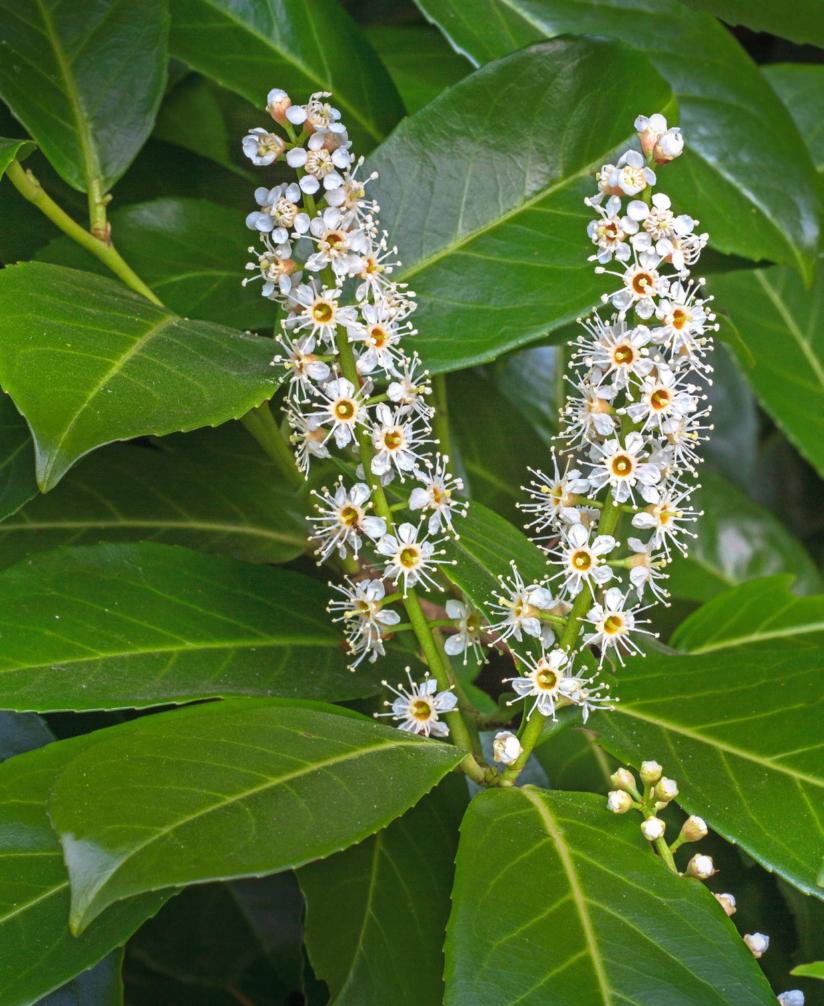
point(37, 952)
point(85, 80)
point(486, 546)
point(302, 46)
point(490, 223)
point(556, 901)
point(129, 626)
point(191, 252)
point(11, 150)
point(376, 913)
point(803, 22)
point(17, 484)
point(231, 789)
point(573, 759)
point(100, 986)
point(531, 379)
point(752, 613)
point(738, 540)
point(740, 732)
point(214, 490)
point(738, 134)
point(419, 60)
point(88, 362)
point(732, 449)
point(782, 321)
point(801, 88)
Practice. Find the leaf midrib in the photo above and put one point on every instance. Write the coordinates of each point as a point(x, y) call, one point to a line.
point(792, 326)
point(733, 641)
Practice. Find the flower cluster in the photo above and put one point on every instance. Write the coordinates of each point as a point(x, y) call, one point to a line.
point(654, 794)
point(351, 384)
point(630, 429)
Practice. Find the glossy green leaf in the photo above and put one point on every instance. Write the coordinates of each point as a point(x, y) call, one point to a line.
point(738, 540)
point(88, 362)
point(11, 150)
point(732, 449)
point(251, 46)
point(136, 625)
point(814, 970)
point(556, 901)
point(17, 484)
point(574, 760)
point(738, 134)
point(752, 613)
point(376, 913)
point(100, 986)
point(782, 321)
point(484, 551)
point(214, 490)
point(231, 789)
point(37, 952)
point(801, 87)
point(191, 252)
point(490, 223)
point(419, 60)
point(85, 80)
point(803, 22)
point(740, 730)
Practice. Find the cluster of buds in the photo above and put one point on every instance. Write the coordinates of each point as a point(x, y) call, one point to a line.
point(351, 385)
point(653, 795)
point(630, 433)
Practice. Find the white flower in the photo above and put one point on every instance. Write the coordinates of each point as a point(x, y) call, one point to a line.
point(792, 997)
point(343, 410)
point(377, 264)
point(616, 352)
point(642, 284)
point(631, 175)
point(662, 396)
point(336, 246)
point(684, 324)
point(277, 102)
point(279, 210)
point(619, 801)
point(411, 388)
point(694, 829)
point(317, 309)
point(582, 561)
point(650, 129)
point(320, 163)
point(262, 147)
point(646, 569)
point(610, 231)
point(542, 681)
point(436, 495)
point(622, 468)
point(613, 622)
point(410, 561)
point(419, 706)
point(276, 267)
point(361, 610)
point(587, 414)
point(758, 943)
point(701, 867)
point(397, 439)
point(506, 748)
point(667, 518)
point(301, 364)
point(350, 198)
point(307, 437)
point(653, 828)
point(727, 902)
point(520, 604)
point(343, 519)
point(553, 497)
point(468, 636)
point(588, 694)
point(669, 146)
point(381, 335)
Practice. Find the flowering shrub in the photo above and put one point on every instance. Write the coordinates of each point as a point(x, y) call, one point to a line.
point(289, 663)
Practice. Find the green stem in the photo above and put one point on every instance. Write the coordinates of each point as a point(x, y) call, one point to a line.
point(261, 424)
point(532, 729)
point(31, 190)
point(665, 854)
point(440, 422)
point(98, 224)
point(424, 634)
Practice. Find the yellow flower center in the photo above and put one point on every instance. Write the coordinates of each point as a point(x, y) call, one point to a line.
point(323, 312)
point(659, 399)
point(623, 354)
point(349, 516)
point(546, 678)
point(621, 465)
point(409, 556)
point(393, 439)
point(420, 710)
point(642, 282)
point(344, 409)
point(613, 624)
point(581, 560)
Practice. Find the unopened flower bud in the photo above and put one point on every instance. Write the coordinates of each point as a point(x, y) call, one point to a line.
point(622, 778)
point(277, 101)
point(506, 748)
point(619, 802)
point(650, 129)
point(701, 866)
point(727, 902)
point(666, 790)
point(670, 146)
point(793, 997)
point(650, 771)
point(758, 943)
point(653, 828)
point(693, 829)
